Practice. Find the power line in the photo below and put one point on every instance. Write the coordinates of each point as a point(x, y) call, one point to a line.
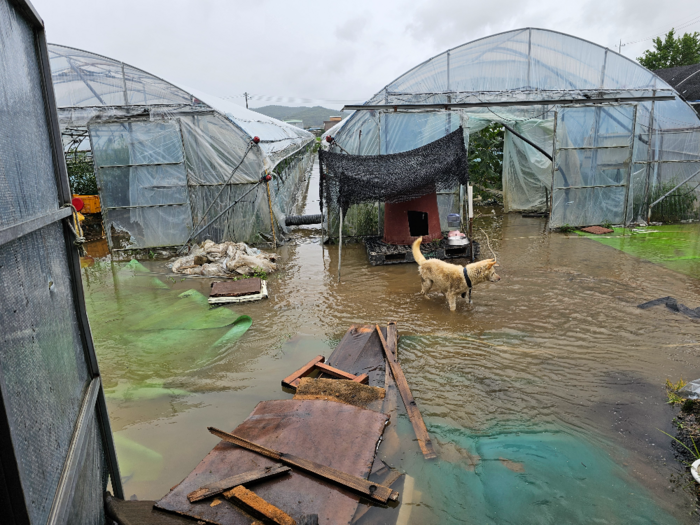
point(675, 27)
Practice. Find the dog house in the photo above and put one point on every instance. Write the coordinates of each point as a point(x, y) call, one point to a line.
point(593, 136)
point(405, 221)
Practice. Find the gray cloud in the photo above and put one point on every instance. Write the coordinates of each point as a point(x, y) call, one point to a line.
point(340, 51)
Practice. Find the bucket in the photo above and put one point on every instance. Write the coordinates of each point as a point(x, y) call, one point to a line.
point(453, 220)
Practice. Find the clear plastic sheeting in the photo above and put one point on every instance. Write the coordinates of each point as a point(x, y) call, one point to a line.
point(163, 154)
point(530, 65)
point(592, 160)
point(142, 178)
point(83, 79)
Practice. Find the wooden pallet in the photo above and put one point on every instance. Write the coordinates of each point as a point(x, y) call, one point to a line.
point(380, 253)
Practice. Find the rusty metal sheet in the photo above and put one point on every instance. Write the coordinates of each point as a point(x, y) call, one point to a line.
point(340, 436)
point(360, 352)
point(236, 288)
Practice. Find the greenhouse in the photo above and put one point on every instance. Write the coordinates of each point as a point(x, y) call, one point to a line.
point(591, 136)
point(172, 164)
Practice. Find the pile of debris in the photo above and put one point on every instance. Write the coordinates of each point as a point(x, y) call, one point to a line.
point(228, 259)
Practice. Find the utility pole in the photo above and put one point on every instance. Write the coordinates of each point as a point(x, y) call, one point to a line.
point(246, 99)
point(619, 49)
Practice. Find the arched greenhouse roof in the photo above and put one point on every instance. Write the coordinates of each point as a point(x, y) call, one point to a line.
point(94, 83)
point(521, 65)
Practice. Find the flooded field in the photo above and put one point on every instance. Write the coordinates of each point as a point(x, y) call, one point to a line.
point(545, 396)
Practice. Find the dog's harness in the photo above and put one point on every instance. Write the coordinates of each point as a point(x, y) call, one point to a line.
point(469, 282)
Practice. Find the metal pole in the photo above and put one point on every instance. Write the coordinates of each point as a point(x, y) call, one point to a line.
point(470, 204)
point(340, 241)
point(272, 221)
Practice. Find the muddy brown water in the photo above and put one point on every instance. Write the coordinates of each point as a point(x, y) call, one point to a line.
point(557, 346)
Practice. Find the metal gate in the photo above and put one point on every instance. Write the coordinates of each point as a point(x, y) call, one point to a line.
point(142, 180)
point(592, 162)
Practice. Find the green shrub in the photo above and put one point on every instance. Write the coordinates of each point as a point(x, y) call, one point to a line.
point(678, 206)
point(81, 173)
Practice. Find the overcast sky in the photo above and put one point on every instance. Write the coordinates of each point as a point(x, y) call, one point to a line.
point(329, 52)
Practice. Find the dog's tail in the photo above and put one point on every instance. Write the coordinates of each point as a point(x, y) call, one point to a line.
point(417, 255)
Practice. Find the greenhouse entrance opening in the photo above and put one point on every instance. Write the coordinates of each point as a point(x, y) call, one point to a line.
point(593, 147)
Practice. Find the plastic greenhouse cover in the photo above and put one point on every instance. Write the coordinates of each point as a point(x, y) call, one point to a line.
point(88, 81)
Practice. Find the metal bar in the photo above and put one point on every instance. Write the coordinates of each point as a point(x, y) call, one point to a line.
point(528, 141)
point(23, 228)
point(139, 165)
point(666, 161)
point(224, 211)
point(108, 440)
point(594, 147)
point(628, 178)
point(74, 460)
point(671, 191)
point(544, 102)
point(144, 206)
point(621, 185)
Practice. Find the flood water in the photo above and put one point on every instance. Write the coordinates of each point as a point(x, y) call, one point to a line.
point(545, 396)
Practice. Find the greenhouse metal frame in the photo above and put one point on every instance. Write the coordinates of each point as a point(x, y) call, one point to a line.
point(170, 162)
point(618, 133)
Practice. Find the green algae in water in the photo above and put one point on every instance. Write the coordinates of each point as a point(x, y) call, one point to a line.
point(675, 246)
point(147, 334)
point(547, 477)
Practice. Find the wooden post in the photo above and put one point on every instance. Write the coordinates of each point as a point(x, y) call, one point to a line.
point(365, 487)
point(424, 441)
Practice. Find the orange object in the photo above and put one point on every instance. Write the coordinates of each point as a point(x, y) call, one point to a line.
point(91, 203)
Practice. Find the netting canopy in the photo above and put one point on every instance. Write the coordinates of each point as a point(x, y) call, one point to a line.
point(163, 154)
point(531, 80)
point(399, 177)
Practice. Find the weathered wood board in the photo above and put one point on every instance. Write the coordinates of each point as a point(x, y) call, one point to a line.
point(340, 436)
point(360, 352)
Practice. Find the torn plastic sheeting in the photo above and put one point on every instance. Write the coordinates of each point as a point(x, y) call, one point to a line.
point(227, 259)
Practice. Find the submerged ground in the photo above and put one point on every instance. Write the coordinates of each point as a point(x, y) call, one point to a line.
point(545, 396)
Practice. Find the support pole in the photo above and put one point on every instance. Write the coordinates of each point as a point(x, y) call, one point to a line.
point(470, 205)
point(272, 221)
point(340, 241)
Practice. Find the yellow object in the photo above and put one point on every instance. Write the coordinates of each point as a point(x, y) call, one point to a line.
point(92, 203)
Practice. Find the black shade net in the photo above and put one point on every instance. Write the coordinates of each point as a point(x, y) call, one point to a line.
point(397, 177)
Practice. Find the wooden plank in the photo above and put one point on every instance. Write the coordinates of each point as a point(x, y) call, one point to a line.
point(303, 371)
point(212, 489)
point(360, 352)
point(392, 339)
point(258, 507)
point(341, 436)
point(340, 374)
point(389, 480)
point(366, 488)
point(421, 431)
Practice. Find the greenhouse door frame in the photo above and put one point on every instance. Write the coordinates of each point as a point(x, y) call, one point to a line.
point(105, 197)
point(591, 171)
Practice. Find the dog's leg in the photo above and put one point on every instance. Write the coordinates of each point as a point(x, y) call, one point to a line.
point(426, 284)
point(452, 300)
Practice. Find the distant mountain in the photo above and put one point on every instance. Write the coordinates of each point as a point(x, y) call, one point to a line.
point(312, 117)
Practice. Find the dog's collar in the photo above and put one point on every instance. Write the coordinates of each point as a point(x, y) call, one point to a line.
point(466, 278)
